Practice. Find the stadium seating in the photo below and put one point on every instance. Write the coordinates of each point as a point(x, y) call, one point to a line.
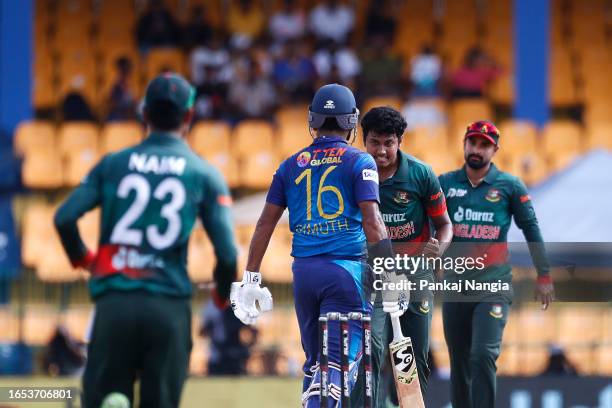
point(78, 143)
point(562, 141)
point(44, 92)
point(108, 70)
point(600, 136)
point(209, 138)
point(256, 170)
point(251, 137)
point(42, 170)
point(36, 230)
point(201, 259)
point(293, 137)
point(530, 167)
point(292, 115)
point(119, 135)
point(77, 165)
point(77, 72)
point(39, 324)
point(34, 136)
point(392, 101)
point(78, 322)
point(8, 325)
point(517, 139)
point(423, 139)
point(228, 166)
point(74, 137)
point(276, 265)
point(159, 60)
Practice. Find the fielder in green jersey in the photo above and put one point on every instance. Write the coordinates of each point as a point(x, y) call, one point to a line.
point(482, 200)
point(150, 195)
point(411, 200)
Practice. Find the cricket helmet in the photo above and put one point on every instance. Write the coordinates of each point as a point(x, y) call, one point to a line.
point(333, 101)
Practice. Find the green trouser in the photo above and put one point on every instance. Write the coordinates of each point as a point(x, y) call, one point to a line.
point(416, 324)
point(138, 335)
point(473, 333)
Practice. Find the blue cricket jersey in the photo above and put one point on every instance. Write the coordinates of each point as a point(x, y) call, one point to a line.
point(322, 186)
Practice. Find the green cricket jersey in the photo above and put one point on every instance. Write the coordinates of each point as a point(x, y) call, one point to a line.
point(483, 214)
point(407, 200)
point(150, 195)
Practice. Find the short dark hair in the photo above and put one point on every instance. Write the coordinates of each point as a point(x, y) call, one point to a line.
point(330, 124)
point(383, 119)
point(164, 115)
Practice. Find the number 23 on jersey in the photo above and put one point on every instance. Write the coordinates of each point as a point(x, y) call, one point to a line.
point(124, 233)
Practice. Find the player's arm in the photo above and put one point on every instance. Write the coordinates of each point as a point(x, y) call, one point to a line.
point(82, 199)
point(525, 218)
point(268, 219)
point(365, 184)
point(246, 293)
point(215, 213)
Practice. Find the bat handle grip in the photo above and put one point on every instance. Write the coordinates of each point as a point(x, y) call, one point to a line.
point(397, 328)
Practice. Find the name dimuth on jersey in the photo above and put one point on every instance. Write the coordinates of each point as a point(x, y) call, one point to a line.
point(143, 163)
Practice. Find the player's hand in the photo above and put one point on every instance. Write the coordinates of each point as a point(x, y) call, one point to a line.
point(86, 262)
point(246, 295)
point(545, 291)
point(432, 248)
point(396, 308)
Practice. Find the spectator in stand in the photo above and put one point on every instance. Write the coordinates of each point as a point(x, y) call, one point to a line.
point(75, 108)
point(211, 95)
point(157, 27)
point(336, 63)
point(423, 112)
point(425, 73)
point(230, 341)
point(331, 20)
point(558, 363)
point(198, 30)
point(210, 54)
point(380, 20)
point(63, 355)
point(260, 53)
point(477, 71)
point(252, 95)
point(381, 70)
point(294, 73)
point(245, 20)
point(287, 24)
point(121, 101)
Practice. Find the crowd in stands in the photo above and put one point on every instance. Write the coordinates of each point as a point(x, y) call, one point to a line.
point(254, 63)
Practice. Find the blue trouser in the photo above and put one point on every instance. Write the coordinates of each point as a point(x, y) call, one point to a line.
point(322, 285)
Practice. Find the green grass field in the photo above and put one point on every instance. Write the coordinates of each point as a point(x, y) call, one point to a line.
point(226, 392)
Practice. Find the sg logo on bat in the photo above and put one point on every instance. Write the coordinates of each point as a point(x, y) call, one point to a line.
point(403, 360)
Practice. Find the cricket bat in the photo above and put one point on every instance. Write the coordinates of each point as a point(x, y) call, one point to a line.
point(404, 368)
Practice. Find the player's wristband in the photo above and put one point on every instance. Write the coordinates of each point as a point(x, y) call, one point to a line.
point(251, 277)
point(544, 280)
point(218, 300)
point(85, 261)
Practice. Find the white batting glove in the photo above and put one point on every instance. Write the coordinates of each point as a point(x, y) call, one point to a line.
point(396, 308)
point(246, 295)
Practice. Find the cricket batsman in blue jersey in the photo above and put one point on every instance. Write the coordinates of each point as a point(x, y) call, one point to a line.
point(331, 191)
